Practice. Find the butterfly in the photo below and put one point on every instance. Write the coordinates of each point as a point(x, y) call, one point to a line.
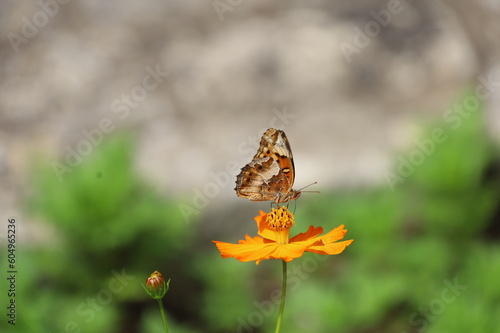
point(270, 175)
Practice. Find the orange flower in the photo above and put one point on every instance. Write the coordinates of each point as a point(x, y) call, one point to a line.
point(273, 241)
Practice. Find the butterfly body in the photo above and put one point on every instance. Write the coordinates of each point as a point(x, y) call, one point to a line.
point(271, 173)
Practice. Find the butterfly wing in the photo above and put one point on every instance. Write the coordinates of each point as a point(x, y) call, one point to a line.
point(279, 149)
point(255, 181)
point(271, 173)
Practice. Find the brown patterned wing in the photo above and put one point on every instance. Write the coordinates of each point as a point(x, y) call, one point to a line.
point(271, 173)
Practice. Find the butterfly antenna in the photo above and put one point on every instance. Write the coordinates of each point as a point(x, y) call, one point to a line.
point(301, 190)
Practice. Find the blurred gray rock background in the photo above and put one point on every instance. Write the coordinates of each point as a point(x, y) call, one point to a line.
point(227, 70)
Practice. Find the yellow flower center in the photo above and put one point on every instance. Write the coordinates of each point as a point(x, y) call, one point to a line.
point(280, 219)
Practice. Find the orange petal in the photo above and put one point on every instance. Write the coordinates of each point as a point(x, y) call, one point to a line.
point(294, 250)
point(251, 240)
point(334, 235)
point(331, 248)
point(261, 218)
point(288, 252)
point(259, 249)
point(250, 249)
point(263, 227)
point(267, 233)
point(310, 233)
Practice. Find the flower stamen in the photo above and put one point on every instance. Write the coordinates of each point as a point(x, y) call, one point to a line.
point(280, 219)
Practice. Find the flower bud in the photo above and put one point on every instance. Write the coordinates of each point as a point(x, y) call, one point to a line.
point(156, 287)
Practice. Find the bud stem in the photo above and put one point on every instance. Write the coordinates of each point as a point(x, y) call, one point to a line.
point(163, 317)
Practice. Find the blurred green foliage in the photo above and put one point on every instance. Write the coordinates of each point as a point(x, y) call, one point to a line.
point(110, 231)
point(425, 257)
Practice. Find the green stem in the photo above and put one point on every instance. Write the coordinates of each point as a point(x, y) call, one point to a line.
point(283, 295)
point(163, 317)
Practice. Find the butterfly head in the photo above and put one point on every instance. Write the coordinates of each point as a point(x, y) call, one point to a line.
point(291, 195)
